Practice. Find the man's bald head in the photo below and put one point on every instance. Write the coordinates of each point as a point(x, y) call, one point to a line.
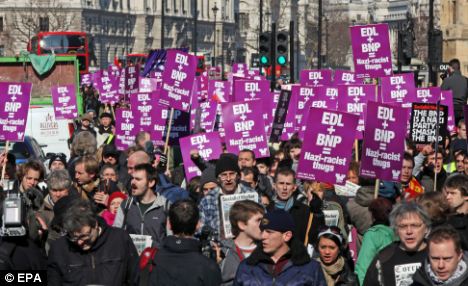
point(137, 158)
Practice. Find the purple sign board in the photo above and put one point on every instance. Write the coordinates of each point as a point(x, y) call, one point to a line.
point(86, 79)
point(244, 128)
point(159, 116)
point(180, 127)
point(125, 128)
point(245, 90)
point(345, 77)
point(142, 105)
point(428, 94)
point(326, 97)
point(399, 88)
point(14, 108)
point(239, 68)
point(353, 99)
point(208, 146)
point(446, 99)
point(132, 79)
point(371, 50)
point(327, 147)
point(207, 115)
point(316, 77)
point(147, 85)
point(384, 141)
point(178, 78)
point(220, 91)
point(64, 100)
point(107, 86)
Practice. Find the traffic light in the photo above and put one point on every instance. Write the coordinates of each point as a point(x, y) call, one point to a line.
point(265, 49)
point(282, 48)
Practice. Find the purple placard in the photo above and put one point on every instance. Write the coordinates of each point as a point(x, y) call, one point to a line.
point(244, 128)
point(142, 105)
point(399, 89)
point(289, 126)
point(345, 77)
point(245, 90)
point(428, 94)
point(327, 147)
point(384, 141)
point(159, 116)
point(125, 128)
point(114, 70)
point(239, 68)
point(202, 81)
point(326, 97)
point(446, 98)
point(86, 79)
point(353, 99)
point(220, 91)
point(316, 77)
point(208, 146)
point(147, 85)
point(371, 50)
point(107, 86)
point(132, 79)
point(178, 78)
point(208, 115)
point(180, 127)
point(64, 100)
point(305, 96)
point(14, 108)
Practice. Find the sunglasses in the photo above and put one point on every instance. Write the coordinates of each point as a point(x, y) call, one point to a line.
point(54, 155)
point(333, 230)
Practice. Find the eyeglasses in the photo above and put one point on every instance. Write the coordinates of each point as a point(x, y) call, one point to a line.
point(82, 237)
point(410, 226)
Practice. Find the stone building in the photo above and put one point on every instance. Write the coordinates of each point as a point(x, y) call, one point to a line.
point(115, 26)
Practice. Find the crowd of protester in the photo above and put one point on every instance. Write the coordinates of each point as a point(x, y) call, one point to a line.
point(85, 211)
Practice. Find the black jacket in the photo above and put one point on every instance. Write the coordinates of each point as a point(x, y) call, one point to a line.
point(460, 223)
point(21, 253)
point(421, 277)
point(180, 262)
point(112, 261)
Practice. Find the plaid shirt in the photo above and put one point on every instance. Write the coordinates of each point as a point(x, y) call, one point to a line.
point(209, 207)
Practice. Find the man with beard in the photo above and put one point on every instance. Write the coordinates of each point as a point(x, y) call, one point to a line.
point(395, 264)
point(145, 212)
point(456, 193)
point(410, 187)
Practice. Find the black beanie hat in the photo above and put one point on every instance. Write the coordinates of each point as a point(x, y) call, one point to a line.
point(227, 162)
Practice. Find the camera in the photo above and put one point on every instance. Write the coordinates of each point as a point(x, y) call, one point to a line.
point(206, 236)
point(14, 212)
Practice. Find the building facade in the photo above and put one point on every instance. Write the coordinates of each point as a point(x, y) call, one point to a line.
point(118, 26)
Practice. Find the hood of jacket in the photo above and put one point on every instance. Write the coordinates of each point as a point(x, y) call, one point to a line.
point(181, 245)
point(364, 196)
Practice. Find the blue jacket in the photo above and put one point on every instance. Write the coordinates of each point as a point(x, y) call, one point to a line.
point(170, 191)
point(299, 270)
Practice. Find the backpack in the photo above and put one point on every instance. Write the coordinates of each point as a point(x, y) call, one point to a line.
point(146, 265)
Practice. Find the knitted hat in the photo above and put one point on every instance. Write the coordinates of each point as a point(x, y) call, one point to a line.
point(114, 196)
point(227, 162)
point(208, 176)
point(278, 220)
point(58, 157)
point(110, 150)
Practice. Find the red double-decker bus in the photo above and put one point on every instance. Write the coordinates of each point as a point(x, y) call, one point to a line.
point(62, 43)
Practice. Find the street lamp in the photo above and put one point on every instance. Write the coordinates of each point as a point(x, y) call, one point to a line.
point(215, 10)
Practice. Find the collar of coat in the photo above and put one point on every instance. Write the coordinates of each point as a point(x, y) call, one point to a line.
point(297, 253)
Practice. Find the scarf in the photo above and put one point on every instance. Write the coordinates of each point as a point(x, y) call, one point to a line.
point(459, 272)
point(284, 205)
point(331, 272)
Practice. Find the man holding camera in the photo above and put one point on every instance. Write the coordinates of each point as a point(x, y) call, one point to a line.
point(458, 84)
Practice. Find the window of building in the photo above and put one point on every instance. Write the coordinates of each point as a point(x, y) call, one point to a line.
point(1, 24)
point(44, 24)
point(2, 50)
